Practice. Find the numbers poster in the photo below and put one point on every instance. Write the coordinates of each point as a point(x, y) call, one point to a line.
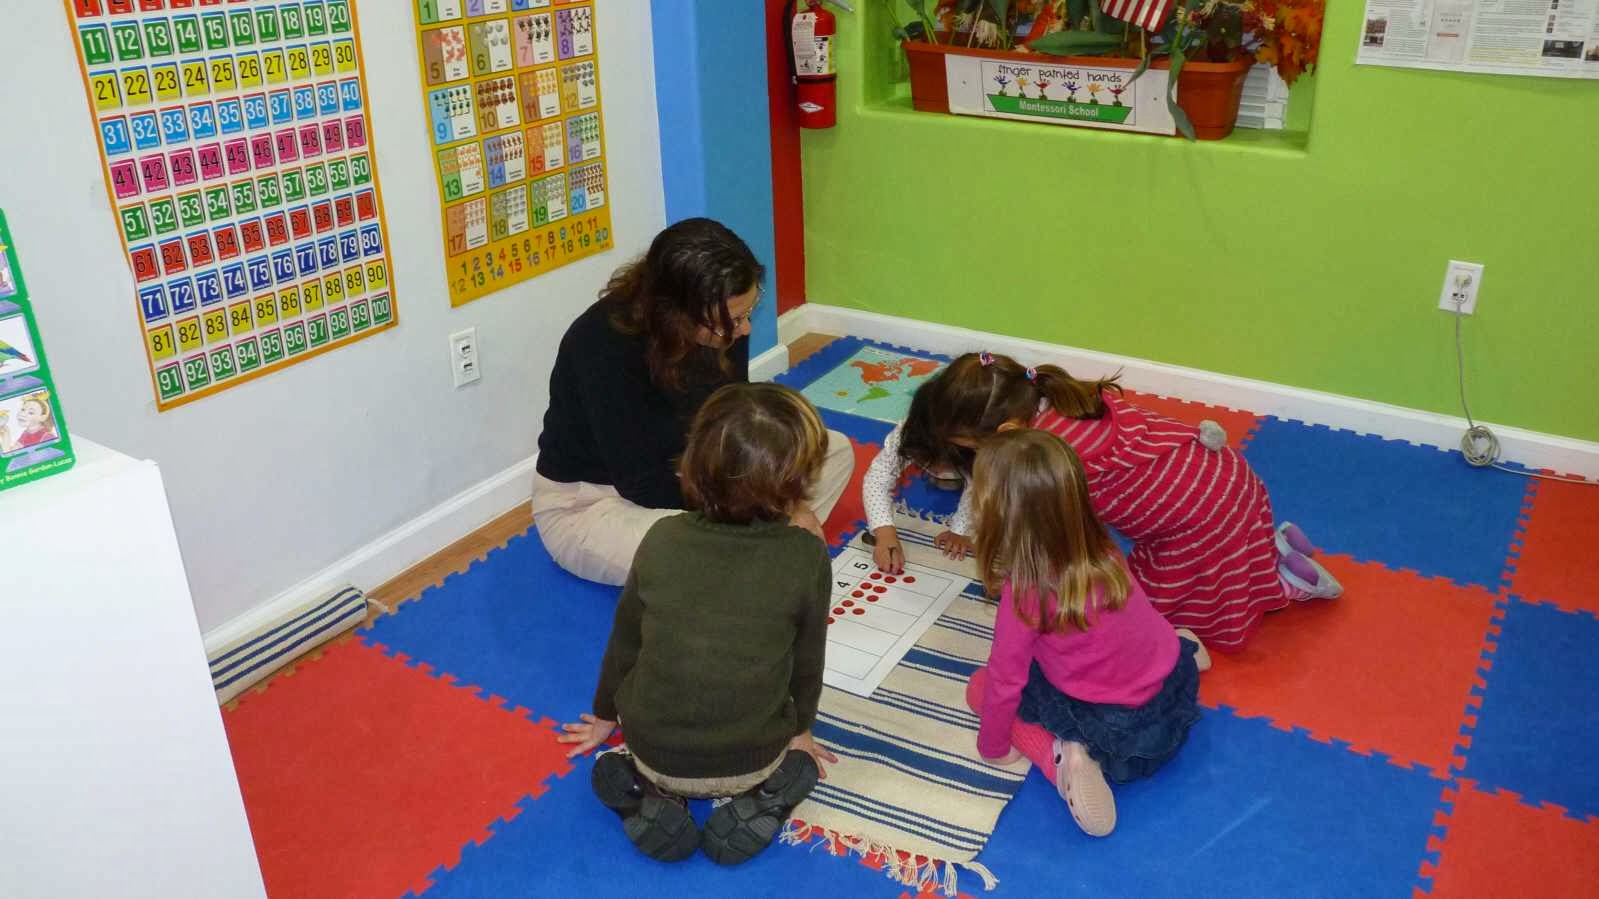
point(33, 436)
point(238, 155)
point(513, 104)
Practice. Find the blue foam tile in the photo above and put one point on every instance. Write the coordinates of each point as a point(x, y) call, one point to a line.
point(1536, 729)
point(566, 844)
point(1389, 501)
point(820, 362)
point(1243, 810)
point(515, 624)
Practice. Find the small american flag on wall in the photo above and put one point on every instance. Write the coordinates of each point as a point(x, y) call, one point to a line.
point(1149, 15)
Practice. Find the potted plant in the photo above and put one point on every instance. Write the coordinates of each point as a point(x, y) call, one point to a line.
point(1207, 45)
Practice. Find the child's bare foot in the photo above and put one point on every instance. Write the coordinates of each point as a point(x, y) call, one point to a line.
point(1201, 656)
point(1081, 783)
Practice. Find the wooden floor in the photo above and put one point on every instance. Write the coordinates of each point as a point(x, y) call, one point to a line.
point(474, 547)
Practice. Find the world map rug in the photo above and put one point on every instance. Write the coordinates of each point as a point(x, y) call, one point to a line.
point(871, 381)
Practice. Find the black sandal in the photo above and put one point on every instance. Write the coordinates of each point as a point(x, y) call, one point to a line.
point(741, 828)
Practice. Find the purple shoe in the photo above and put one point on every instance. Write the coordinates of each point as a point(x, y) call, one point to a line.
point(1290, 539)
point(1307, 576)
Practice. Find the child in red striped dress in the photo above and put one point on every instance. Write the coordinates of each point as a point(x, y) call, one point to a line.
point(1205, 546)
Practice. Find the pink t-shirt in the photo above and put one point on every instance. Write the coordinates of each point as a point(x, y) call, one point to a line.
point(1122, 659)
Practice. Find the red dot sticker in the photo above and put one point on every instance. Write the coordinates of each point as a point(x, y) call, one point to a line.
point(889, 579)
point(876, 575)
point(859, 611)
point(848, 603)
point(830, 619)
point(871, 599)
point(859, 593)
point(910, 578)
point(838, 610)
point(879, 588)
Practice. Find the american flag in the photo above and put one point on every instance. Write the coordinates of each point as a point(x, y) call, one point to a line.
point(1149, 15)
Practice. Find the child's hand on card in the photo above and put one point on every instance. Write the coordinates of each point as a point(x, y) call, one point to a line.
point(887, 551)
point(807, 744)
point(953, 545)
point(588, 734)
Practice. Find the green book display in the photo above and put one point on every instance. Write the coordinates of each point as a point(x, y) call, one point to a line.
point(33, 435)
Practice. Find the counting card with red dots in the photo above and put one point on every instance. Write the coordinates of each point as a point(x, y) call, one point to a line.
point(876, 618)
point(238, 159)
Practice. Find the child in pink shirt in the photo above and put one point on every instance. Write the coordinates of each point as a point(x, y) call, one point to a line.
point(1100, 682)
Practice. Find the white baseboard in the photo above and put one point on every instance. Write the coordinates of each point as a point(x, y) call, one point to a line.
point(388, 555)
point(770, 364)
point(1530, 448)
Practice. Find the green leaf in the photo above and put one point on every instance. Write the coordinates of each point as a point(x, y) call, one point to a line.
point(1184, 126)
point(1143, 66)
point(1076, 43)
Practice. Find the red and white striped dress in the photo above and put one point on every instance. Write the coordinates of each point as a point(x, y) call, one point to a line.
point(1200, 520)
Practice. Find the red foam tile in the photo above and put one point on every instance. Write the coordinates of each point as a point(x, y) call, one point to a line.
point(850, 511)
point(362, 775)
point(1557, 561)
point(1389, 666)
point(1238, 425)
point(1496, 846)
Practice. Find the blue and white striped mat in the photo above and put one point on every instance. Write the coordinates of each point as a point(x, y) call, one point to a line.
point(909, 784)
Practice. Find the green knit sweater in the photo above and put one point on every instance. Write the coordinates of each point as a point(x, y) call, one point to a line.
point(715, 657)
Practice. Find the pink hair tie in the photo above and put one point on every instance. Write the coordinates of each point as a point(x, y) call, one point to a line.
point(1032, 373)
point(985, 359)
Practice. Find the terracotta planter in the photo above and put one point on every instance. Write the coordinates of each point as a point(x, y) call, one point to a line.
point(1208, 91)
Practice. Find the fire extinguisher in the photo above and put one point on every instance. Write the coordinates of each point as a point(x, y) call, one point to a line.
point(810, 57)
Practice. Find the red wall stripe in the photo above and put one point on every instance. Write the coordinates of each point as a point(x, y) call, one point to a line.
point(788, 192)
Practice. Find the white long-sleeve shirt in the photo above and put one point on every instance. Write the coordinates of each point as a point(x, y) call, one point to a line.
point(882, 479)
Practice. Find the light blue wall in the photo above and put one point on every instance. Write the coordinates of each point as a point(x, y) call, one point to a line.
point(716, 146)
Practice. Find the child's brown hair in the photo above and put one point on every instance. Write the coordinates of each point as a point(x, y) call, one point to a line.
point(753, 451)
point(977, 393)
point(1035, 527)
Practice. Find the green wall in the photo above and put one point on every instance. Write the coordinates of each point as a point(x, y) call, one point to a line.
point(1313, 261)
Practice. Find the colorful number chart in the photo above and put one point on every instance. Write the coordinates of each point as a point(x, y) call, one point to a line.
point(238, 155)
point(513, 103)
point(33, 436)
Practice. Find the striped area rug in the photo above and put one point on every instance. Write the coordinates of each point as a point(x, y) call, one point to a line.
point(909, 785)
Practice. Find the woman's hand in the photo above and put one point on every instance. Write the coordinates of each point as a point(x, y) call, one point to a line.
point(953, 545)
point(588, 734)
point(802, 517)
point(887, 551)
point(807, 744)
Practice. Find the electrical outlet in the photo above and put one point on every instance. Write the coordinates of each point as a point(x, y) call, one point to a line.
point(1462, 280)
point(463, 357)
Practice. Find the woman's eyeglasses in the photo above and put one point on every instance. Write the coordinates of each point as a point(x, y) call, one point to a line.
point(741, 320)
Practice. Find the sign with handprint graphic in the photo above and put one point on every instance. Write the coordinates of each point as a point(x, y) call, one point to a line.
point(1105, 96)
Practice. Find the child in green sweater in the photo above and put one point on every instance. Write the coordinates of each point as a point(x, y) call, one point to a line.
point(714, 665)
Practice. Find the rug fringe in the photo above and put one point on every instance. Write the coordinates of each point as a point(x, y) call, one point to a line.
point(905, 868)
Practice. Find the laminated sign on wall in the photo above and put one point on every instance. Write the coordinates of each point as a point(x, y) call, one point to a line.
point(1553, 38)
point(513, 103)
point(238, 155)
point(1088, 96)
point(33, 435)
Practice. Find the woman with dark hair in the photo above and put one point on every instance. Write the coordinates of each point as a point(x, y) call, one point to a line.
point(631, 372)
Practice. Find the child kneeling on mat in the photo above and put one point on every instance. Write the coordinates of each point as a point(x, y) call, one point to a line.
point(714, 665)
point(1102, 684)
